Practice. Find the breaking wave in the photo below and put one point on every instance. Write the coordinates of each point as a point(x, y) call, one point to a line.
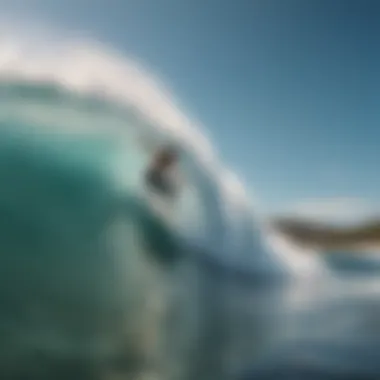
point(83, 88)
point(79, 103)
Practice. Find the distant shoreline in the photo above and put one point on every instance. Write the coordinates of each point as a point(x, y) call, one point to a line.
point(364, 238)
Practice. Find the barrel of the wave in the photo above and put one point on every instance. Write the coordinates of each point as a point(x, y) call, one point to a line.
point(80, 260)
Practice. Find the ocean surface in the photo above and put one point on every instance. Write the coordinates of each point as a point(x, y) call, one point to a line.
point(245, 303)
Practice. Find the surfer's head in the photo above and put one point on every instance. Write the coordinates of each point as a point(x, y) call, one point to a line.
point(165, 158)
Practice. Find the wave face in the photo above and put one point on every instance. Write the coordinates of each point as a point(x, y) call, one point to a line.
point(77, 285)
point(88, 260)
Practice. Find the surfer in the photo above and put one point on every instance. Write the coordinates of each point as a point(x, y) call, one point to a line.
point(161, 173)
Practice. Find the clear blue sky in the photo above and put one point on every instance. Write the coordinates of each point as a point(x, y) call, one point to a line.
point(288, 89)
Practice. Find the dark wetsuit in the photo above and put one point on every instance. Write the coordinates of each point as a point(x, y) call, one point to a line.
point(160, 183)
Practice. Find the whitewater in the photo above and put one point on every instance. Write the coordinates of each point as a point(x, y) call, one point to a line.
point(101, 280)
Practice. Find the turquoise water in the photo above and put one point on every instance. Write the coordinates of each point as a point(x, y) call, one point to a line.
point(101, 278)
